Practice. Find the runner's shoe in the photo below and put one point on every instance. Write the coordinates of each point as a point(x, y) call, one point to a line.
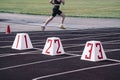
point(42, 28)
point(62, 27)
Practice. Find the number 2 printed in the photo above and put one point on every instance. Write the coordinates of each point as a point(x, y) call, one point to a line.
point(56, 42)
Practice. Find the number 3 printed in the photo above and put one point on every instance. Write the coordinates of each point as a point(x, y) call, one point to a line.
point(100, 50)
point(90, 51)
point(97, 45)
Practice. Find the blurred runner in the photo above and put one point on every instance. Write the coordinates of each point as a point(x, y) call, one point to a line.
point(56, 11)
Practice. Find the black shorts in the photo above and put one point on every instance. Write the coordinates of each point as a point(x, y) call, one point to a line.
point(56, 11)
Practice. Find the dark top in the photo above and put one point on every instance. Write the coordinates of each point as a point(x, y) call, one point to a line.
point(57, 1)
point(56, 8)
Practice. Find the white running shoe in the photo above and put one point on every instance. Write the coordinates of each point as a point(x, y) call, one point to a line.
point(62, 27)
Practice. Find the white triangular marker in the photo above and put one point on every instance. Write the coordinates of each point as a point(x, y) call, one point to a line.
point(53, 46)
point(22, 42)
point(93, 51)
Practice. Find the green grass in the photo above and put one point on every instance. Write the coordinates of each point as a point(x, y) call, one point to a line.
point(81, 8)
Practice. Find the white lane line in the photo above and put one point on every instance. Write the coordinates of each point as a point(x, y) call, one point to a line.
point(101, 34)
point(83, 38)
point(37, 62)
point(6, 46)
point(77, 70)
point(22, 53)
point(5, 55)
point(15, 54)
point(112, 50)
point(38, 43)
point(74, 51)
point(32, 52)
point(72, 54)
point(107, 58)
point(61, 40)
point(113, 60)
point(76, 45)
point(6, 41)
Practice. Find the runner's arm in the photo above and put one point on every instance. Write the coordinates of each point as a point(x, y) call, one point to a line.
point(52, 2)
point(63, 2)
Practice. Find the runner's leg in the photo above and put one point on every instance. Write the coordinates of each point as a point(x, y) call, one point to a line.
point(62, 21)
point(48, 20)
point(63, 17)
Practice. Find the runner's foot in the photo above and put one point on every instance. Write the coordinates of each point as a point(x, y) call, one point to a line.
point(42, 28)
point(62, 27)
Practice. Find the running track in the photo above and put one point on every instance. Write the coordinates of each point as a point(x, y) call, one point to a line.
point(32, 65)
